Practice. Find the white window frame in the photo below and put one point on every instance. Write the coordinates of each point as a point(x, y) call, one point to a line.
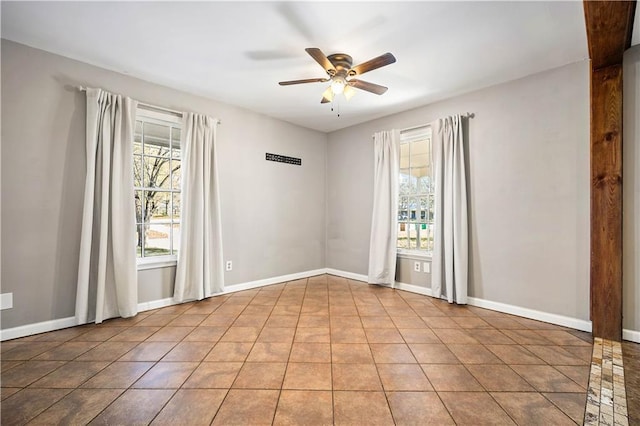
point(407, 136)
point(174, 120)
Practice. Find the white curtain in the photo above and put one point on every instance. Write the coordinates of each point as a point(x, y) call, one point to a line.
point(449, 276)
point(199, 273)
point(107, 277)
point(384, 231)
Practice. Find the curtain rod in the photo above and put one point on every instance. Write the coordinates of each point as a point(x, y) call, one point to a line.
point(467, 115)
point(151, 107)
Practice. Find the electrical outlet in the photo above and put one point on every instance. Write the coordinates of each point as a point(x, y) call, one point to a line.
point(229, 265)
point(426, 267)
point(416, 266)
point(6, 301)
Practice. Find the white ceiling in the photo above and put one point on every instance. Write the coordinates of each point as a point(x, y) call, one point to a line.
point(236, 52)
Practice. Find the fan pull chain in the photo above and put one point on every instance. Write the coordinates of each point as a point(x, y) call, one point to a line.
point(337, 108)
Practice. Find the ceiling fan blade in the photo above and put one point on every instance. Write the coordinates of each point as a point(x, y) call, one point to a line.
point(308, 80)
point(373, 64)
point(327, 96)
point(369, 87)
point(321, 58)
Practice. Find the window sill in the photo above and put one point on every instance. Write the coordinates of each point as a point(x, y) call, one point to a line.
point(414, 254)
point(156, 262)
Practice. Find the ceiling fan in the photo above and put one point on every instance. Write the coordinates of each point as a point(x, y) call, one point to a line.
point(341, 74)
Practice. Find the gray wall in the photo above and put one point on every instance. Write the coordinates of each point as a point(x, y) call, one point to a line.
point(528, 157)
point(528, 183)
point(631, 191)
point(273, 215)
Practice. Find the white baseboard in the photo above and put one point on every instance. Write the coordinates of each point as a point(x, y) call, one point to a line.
point(631, 335)
point(156, 304)
point(269, 281)
point(37, 328)
point(562, 320)
point(169, 301)
point(344, 274)
point(413, 288)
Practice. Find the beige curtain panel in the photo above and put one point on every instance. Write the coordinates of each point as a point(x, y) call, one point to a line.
point(107, 276)
point(199, 272)
point(384, 231)
point(450, 265)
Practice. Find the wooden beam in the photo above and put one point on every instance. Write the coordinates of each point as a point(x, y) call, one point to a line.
point(606, 202)
point(609, 29)
point(609, 25)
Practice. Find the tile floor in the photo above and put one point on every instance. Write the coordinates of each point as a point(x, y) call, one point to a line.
point(323, 350)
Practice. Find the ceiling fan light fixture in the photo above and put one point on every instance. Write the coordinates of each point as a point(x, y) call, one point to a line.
point(328, 94)
point(348, 92)
point(337, 85)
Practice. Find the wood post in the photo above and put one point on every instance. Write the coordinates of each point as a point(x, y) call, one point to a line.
point(609, 25)
point(606, 202)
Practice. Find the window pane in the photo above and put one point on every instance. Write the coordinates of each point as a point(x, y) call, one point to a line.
point(404, 202)
point(157, 230)
point(140, 218)
point(424, 207)
point(176, 207)
point(419, 172)
point(157, 240)
point(137, 171)
point(157, 172)
point(137, 138)
point(176, 238)
point(424, 184)
point(403, 212)
point(176, 173)
point(164, 174)
point(156, 139)
point(420, 153)
point(404, 156)
point(426, 237)
point(413, 235)
point(175, 142)
point(139, 238)
point(139, 197)
point(403, 240)
point(413, 207)
point(431, 208)
point(404, 182)
point(159, 204)
point(412, 184)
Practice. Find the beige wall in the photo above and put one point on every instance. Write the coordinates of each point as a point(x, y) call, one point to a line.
point(631, 191)
point(528, 183)
point(272, 213)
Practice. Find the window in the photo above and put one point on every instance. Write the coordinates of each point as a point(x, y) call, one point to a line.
point(156, 174)
point(416, 191)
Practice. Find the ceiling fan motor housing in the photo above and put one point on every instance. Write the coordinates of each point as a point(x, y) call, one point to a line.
point(342, 62)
